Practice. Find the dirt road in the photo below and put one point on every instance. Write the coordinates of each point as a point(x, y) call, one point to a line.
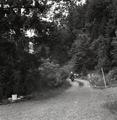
point(75, 103)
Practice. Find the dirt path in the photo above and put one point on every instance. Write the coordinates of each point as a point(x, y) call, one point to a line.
point(76, 103)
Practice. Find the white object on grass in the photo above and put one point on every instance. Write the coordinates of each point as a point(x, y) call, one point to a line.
point(14, 97)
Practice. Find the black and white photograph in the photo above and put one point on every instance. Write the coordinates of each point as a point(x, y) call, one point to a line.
point(58, 59)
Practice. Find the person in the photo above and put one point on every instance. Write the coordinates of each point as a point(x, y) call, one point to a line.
point(72, 76)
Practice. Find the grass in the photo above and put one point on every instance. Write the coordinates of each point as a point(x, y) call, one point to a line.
point(111, 100)
point(44, 94)
point(112, 107)
point(51, 92)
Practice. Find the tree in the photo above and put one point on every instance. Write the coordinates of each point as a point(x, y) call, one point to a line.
point(16, 62)
point(97, 20)
point(83, 55)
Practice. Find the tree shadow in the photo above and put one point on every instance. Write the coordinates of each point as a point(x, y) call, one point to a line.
point(44, 94)
point(48, 93)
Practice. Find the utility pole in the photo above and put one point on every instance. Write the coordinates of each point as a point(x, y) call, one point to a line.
point(103, 77)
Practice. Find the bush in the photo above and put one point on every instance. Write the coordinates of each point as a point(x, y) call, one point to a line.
point(112, 75)
point(52, 74)
point(96, 79)
point(48, 73)
point(61, 75)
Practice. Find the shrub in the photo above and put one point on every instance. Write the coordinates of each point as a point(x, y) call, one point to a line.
point(96, 80)
point(52, 74)
point(48, 73)
point(112, 75)
point(61, 75)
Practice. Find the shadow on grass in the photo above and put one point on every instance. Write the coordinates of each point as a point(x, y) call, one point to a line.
point(48, 93)
point(44, 94)
point(111, 106)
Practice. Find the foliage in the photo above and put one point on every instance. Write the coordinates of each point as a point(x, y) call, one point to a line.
point(48, 73)
point(114, 52)
point(94, 33)
point(63, 73)
point(84, 57)
point(19, 67)
point(112, 75)
point(102, 50)
point(96, 80)
point(52, 75)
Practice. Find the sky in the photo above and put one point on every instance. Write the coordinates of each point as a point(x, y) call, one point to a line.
point(50, 14)
point(82, 1)
point(53, 10)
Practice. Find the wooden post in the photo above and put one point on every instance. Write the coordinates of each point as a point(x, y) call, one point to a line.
point(104, 77)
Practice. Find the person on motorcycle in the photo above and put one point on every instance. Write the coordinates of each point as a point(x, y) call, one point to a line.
point(72, 76)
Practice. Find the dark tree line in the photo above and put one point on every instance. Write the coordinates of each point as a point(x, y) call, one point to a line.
point(19, 69)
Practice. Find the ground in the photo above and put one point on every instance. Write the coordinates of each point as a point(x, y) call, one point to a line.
point(75, 103)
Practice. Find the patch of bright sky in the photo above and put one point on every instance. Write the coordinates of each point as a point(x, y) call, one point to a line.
point(30, 33)
point(50, 14)
point(81, 2)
